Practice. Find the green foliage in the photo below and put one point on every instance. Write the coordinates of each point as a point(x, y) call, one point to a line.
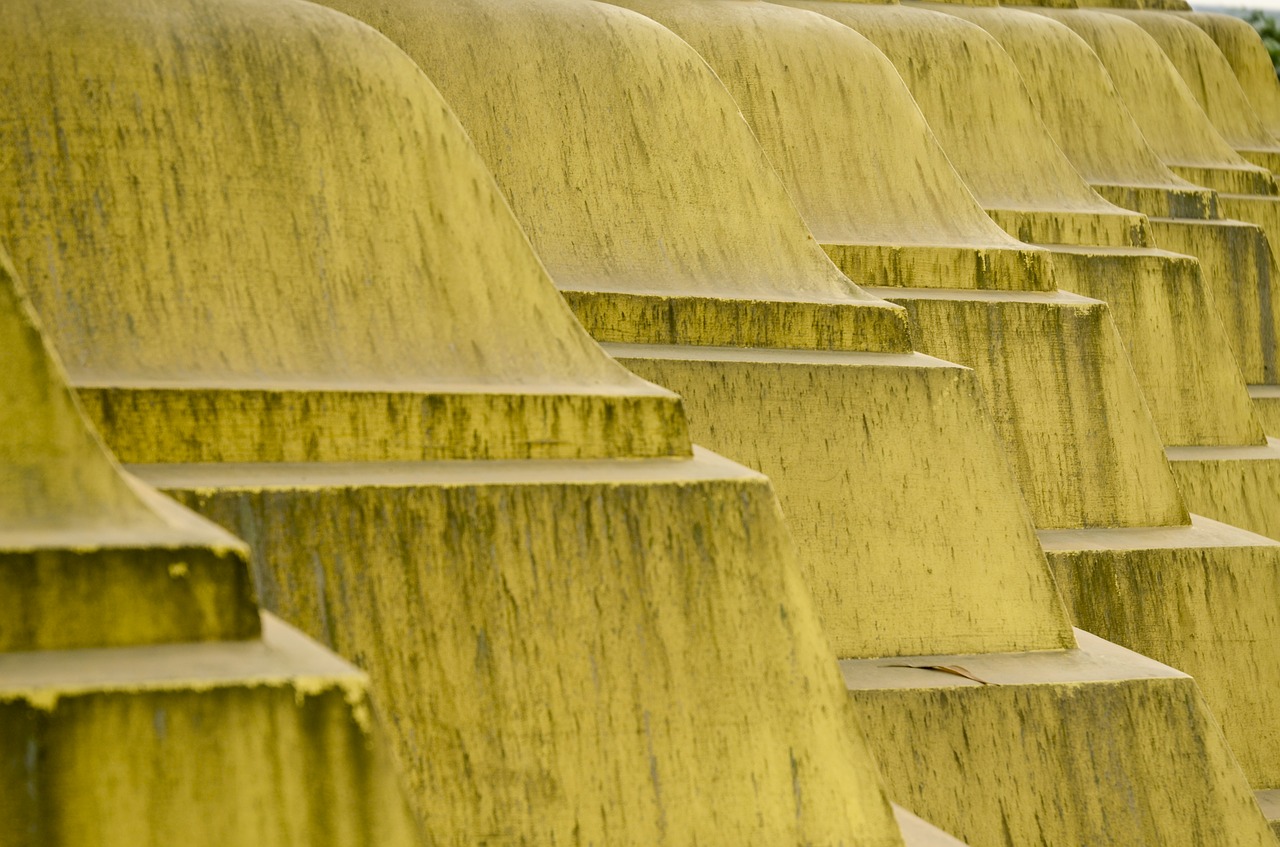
point(1269, 30)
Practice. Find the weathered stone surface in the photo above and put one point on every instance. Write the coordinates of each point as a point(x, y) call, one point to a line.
point(594, 635)
point(140, 703)
point(751, 402)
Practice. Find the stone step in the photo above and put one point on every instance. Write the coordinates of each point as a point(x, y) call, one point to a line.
point(1203, 598)
point(267, 741)
point(959, 736)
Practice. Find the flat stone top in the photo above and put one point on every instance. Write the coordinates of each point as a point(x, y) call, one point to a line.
point(1243, 453)
point(1269, 801)
point(1095, 660)
point(705, 466)
point(283, 656)
point(1203, 532)
point(920, 833)
point(777, 356)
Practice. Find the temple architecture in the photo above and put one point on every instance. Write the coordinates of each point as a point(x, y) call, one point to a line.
point(653, 422)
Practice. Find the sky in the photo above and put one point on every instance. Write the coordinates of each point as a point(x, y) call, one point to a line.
point(1210, 5)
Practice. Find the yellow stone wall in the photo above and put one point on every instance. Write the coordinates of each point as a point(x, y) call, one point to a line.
point(1175, 342)
point(207, 729)
point(619, 648)
point(908, 36)
point(704, 212)
point(1005, 734)
point(300, 268)
point(1065, 80)
point(1060, 378)
point(1178, 346)
point(89, 558)
point(1243, 49)
point(54, 474)
point(221, 744)
point(618, 651)
point(970, 579)
point(1212, 82)
point(622, 650)
point(1222, 593)
point(1240, 271)
point(1165, 109)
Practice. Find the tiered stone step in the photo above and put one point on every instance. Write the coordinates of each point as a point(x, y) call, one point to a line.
point(534, 77)
point(140, 701)
point(996, 721)
point(1051, 365)
point(265, 741)
point(583, 630)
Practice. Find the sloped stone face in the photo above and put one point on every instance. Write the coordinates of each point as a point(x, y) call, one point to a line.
point(851, 470)
point(1249, 61)
point(1241, 274)
point(138, 704)
point(211, 248)
point(1199, 598)
point(1209, 77)
point(677, 200)
point(624, 650)
point(89, 558)
point(952, 748)
point(1180, 350)
point(1065, 400)
point(610, 651)
point(618, 648)
point(266, 742)
point(1163, 107)
point(1056, 371)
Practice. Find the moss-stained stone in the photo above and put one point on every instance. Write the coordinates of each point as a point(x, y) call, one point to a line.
point(300, 284)
point(268, 742)
point(533, 79)
point(1111, 152)
point(1022, 177)
point(1245, 52)
point(140, 701)
point(1238, 267)
point(568, 648)
point(1208, 609)
point(1009, 722)
point(1163, 106)
point(1233, 484)
point(624, 650)
point(89, 558)
point(1212, 82)
point(297, 424)
point(1059, 377)
point(1159, 298)
point(877, 594)
point(1241, 275)
point(1179, 349)
point(981, 73)
point(1266, 402)
point(830, 323)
